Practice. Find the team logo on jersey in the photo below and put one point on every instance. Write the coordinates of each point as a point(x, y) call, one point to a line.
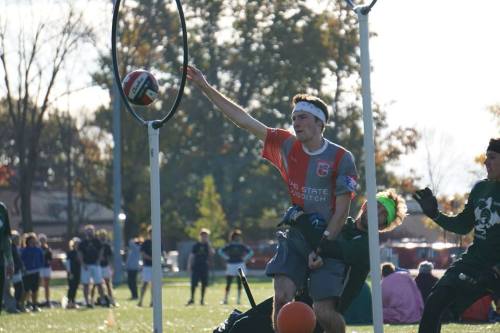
point(487, 216)
point(351, 183)
point(322, 168)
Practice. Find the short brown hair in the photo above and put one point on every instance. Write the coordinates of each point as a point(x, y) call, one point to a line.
point(102, 233)
point(205, 231)
point(234, 233)
point(316, 101)
point(388, 268)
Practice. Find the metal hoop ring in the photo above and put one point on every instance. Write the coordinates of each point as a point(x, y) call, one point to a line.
point(156, 123)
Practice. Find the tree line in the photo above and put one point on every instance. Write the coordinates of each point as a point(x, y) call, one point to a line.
point(259, 54)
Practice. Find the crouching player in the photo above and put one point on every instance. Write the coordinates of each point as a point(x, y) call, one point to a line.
point(351, 246)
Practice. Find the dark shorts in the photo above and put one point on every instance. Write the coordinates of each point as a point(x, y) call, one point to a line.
point(467, 290)
point(199, 276)
point(291, 260)
point(31, 282)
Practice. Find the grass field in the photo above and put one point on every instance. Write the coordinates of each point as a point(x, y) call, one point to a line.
point(176, 316)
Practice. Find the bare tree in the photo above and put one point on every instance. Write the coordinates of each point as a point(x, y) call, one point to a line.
point(30, 73)
point(440, 159)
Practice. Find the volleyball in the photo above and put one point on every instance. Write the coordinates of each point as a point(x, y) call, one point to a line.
point(140, 87)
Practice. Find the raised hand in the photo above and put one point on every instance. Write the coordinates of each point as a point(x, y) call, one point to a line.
point(427, 202)
point(196, 76)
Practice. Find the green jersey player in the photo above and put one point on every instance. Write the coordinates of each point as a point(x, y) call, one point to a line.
point(477, 272)
point(6, 262)
point(351, 246)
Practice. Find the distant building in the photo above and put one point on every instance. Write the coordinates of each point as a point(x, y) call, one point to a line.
point(408, 253)
point(49, 213)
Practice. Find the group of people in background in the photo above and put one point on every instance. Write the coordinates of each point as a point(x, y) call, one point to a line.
point(29, 262)
point(88, 263)
point(403, 298)
point(32, 258)
point(404, 295)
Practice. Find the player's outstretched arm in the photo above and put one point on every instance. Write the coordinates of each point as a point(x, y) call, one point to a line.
point(230, 109)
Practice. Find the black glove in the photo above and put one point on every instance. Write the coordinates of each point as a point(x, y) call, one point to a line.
point(291, 215)
point(427, 202)
point(489, 279)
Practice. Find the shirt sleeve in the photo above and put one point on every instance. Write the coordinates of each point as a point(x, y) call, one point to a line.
point(275, 138)
point(355, 251)
point(347, 177)
point(249, 253)
point(461, 223)
point(222, 252)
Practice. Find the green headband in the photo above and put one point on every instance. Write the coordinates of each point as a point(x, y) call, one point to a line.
point(390, 207)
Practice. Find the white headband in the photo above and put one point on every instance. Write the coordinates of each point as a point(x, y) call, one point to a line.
point(310, 108)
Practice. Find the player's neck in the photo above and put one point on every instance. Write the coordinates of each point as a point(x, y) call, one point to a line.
point(314, 144)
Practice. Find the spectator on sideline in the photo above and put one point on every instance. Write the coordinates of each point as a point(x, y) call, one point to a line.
point(74, 270)
point(425, 279)
point(17, 278)
point(401, 300)
point(46, 271)
point(147, 267)
point(105, 263)
point(90, 254)
point(199, 263)
point(133, 266)
point(236, 255)
point(495, 311)
point(32, 257)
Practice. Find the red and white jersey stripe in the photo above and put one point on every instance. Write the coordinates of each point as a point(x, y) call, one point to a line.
point(314, 180)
